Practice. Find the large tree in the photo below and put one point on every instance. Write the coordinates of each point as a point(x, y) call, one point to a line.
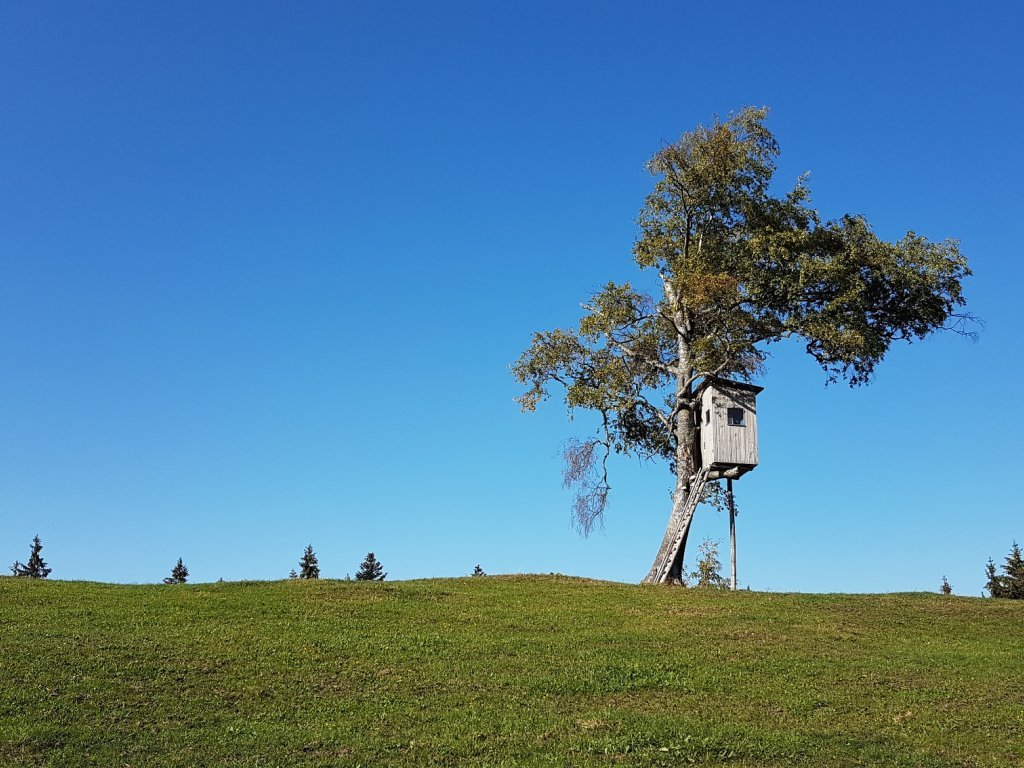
point(739, 268)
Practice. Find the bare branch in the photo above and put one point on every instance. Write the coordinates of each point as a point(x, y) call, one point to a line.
point(959, 323)
point(675, 325)
point(653, 362)
point(710, 374)
point(586, 471)
point(588, 508)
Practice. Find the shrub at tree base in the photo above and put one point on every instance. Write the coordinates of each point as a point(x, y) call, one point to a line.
point(709, 567)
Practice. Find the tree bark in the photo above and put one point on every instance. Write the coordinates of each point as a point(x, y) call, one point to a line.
point(687, 453)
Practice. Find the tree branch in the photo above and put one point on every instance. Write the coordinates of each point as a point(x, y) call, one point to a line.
point(653, 362)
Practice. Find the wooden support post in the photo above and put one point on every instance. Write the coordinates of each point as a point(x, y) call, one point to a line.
point(732, 532)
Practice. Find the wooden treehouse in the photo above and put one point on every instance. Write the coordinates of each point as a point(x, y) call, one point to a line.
point(728, 428)
point(728, 450)
point(728, 441)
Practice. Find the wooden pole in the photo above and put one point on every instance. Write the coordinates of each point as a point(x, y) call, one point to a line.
point(732, 532)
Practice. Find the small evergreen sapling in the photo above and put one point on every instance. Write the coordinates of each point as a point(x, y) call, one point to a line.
point(179, 574)
point(945, 588)
point(36, 567)
point(993, 581)
point(709, 567)
point(309, 568)
point(292, 574)
point(370, 569)
point(1014, 570)
point(478, 571)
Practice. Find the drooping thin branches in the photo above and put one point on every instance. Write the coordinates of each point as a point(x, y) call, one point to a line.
point(586, 472)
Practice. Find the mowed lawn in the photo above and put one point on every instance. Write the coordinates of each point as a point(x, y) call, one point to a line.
point(498, 671)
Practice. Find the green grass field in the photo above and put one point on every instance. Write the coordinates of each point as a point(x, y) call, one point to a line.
point(503, 671)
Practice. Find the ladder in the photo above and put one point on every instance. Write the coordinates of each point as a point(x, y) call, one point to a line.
point(696, 494)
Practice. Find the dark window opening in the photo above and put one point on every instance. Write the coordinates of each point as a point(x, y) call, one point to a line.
point(707, 416)
point(735, 417)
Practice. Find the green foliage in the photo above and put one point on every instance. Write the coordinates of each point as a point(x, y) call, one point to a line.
point(1009, 584)
point(708, 572)
point(417, 674)
point(747, 268)
point(945, 587)
point(739, 268)
point(993, 581)
point(36, 567)
point(309, 568)
point(478, 571)
point(179, 574)
point(370, 569)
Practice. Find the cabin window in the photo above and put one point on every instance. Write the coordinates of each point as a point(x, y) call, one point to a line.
point(735, 417)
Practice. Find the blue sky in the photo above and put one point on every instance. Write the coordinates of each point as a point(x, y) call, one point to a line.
point(264, 266)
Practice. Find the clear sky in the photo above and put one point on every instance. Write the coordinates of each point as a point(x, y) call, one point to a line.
point(264, 268)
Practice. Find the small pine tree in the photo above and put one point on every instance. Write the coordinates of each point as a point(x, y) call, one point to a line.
point(35, 568)
point(1009, 584)
point(993, 582)
point(370, 569)
point(1013, 571)
point(292, 574)
point(179, 574)
point(478, 571)
point(709, 567)
point(945, 588)
point(309, 568)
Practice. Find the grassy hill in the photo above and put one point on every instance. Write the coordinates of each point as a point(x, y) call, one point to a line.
point(503, 671)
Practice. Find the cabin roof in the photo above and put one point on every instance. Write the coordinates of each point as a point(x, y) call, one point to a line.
point(726, 384)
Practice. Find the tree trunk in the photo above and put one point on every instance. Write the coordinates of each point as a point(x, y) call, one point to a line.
point(687, 454)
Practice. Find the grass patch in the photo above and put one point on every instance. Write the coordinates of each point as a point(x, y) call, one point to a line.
point(503, 671)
